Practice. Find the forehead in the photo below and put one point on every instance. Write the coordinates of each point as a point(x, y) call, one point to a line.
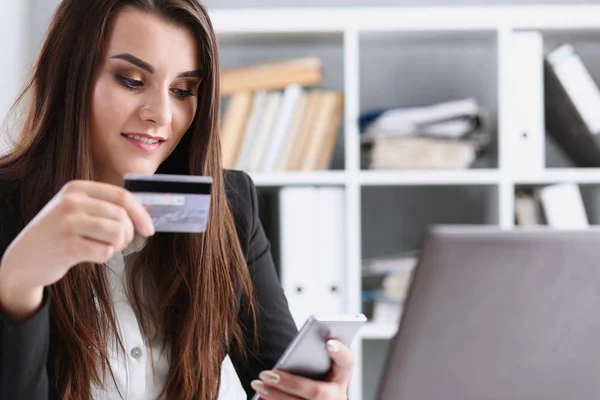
point(168, 47)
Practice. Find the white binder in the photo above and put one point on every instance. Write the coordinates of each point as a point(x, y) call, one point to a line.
point(312, 237)
point(526, 153)
point(297, 229)
point(563, 206)
point(330, 247)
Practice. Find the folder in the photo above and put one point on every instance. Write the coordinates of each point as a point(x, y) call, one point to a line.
point(572, 106)
point(312, 237)
point(527, 134)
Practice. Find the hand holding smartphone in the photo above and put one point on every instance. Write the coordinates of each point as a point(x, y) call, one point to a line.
point(307, 355)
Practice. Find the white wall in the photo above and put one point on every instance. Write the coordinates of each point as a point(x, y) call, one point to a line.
point(377, 3)
point(39, 20)
point(15, 53)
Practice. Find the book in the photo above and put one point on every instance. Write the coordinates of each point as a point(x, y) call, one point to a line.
point(331, 133)
point(260, 142)
point(563, 206)
point(324, 128)
point(277, 120)
point(289, 99)
point(234, 125)
point(572, 106)
point(407, 153)
point(291, 139)
point(451, 119)
point(304, 134)
point(251, 131)
point(275, 75)
point(528, 210)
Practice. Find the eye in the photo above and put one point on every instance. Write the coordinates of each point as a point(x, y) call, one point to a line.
point(181, 93)
point(129, 83)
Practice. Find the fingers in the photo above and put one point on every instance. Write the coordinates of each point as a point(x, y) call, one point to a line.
point(105, 209)
point(90, 251)
point(99, 229)
point(268, 392)
point(280, 384)
point(119, 196)
point(343, 362)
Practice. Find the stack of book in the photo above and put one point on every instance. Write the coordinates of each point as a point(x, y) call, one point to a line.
point(439, 136)
point(385, 284)
point(277, 118)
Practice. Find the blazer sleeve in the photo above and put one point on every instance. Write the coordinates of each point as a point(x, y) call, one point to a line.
point(24, 346)
point(275, 325)
point(23, 356)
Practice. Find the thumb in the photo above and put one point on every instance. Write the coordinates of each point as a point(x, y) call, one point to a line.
point(343, 361)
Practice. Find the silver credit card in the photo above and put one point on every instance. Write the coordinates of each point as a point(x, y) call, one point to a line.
point(176, 203)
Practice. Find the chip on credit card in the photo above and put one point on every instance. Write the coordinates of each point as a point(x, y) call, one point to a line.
point(176, 203)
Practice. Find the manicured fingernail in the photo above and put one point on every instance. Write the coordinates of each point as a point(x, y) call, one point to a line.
point(259, 387)
point(150, 229)
point(269, 377)
point(332, 346)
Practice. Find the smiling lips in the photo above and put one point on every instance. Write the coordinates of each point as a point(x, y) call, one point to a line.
point(147, 143)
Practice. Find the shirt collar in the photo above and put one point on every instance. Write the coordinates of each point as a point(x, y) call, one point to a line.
point(117, 261)
point(136, 245)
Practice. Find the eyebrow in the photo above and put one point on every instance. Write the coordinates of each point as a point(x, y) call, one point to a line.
point(148, 67)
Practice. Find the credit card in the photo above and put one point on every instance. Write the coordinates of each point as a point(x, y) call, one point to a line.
point(176, 203)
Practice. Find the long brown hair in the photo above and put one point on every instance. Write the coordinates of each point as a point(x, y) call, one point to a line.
point(193, 277)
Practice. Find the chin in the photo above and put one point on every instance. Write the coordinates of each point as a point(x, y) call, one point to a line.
point(139, 169)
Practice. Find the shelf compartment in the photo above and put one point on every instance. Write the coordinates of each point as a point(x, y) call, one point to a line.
point(400, 69)
point(239, 50)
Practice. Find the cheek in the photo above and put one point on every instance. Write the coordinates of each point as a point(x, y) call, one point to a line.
point(108, 111)
point(183, 119)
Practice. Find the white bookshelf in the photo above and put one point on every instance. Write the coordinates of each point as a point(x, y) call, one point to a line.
point(411, 178)
point(350, 26)
point(558, 175)
point(382, 178)
point(378, 330)
point(456, 18)
point(275, 179)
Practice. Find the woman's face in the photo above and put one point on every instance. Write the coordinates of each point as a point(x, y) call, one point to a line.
point(144, 95)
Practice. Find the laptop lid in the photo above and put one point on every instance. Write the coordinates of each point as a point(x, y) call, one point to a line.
point(495, 314)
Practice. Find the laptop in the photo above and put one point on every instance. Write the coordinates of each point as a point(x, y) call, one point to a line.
point(496, 314)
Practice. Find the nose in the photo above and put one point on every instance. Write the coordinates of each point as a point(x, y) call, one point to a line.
point(157, 108)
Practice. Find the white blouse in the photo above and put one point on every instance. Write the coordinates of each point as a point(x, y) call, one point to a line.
point(132, 370)
point(134, 377)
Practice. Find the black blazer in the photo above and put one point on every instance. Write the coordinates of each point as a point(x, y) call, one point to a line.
point(26, 352)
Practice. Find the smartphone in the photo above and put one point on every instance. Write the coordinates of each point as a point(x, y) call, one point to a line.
point(307, 354)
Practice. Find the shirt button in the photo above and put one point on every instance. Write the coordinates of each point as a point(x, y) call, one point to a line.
point(136, 352)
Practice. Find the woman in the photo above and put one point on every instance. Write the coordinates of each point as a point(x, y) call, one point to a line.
point(94, 304)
